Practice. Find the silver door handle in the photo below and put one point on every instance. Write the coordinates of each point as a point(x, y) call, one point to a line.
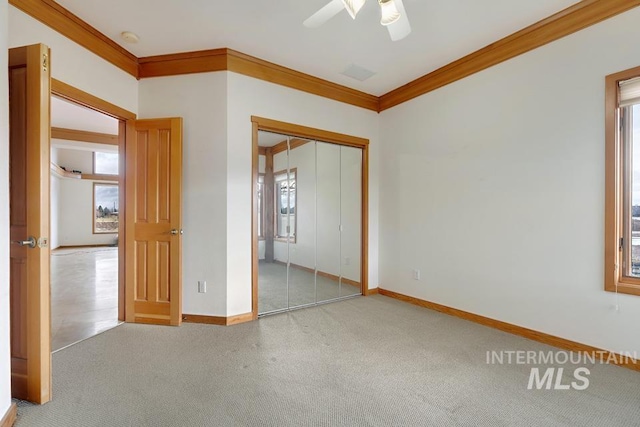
point(30, 242)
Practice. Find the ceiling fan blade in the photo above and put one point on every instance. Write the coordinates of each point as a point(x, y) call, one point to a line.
point(401, 28)
point(330, 10)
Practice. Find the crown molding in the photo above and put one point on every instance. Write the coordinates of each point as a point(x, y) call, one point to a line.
point(573, 19)
point(230, 60)
point(203, 61)
point(254, 67)
point(69, 25)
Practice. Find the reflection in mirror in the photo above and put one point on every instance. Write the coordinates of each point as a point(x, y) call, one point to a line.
point(350, 219)
point(328, 205)
point(307, 193)
point(272, 273)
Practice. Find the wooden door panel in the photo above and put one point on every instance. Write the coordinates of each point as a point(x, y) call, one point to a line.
point(154, 190)
point(29, 98)
point(140, 254)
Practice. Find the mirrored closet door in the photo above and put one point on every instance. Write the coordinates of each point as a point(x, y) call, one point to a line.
point(309, 222)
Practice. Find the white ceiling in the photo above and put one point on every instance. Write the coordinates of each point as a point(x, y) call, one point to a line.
point(68, 115)
point(443, 31)
point(269, 139)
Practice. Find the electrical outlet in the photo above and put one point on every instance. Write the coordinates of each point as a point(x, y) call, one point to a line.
point(416, 274)
point(347, 261)
point(202, 286)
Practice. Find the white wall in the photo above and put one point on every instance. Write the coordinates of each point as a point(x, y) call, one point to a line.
point(217, 109)
point(54, 208)
point(75, 215)
point(201, 100)
point(74, 200)
point(494, 187)
point(73, 64)
point(54, 227)
point(5, 360)
point(247, 97)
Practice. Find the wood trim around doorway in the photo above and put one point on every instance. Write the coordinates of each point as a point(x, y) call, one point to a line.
point(260, 123)
point(77, 96)
point(10, 416)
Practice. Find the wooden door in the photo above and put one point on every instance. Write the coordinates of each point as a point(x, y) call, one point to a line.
point(29, 129)
point(154, 221)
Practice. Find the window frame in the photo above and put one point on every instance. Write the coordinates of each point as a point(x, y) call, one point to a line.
point(93, 208)
point(615, 280)
point(292, 171)
point(262, 213)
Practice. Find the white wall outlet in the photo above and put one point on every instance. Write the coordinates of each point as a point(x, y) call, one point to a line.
point(416, 274)
point(202, 286)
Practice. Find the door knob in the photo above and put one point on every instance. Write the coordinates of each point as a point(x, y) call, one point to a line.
point(174, 232)
point(30, 242)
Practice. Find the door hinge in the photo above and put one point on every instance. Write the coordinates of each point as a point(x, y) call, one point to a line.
point(45, 62)
point(621, 244)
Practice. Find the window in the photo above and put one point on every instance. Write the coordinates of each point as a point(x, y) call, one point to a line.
point(105, 213)
point(285, 205)
point(105, 163)
point(261, 206)
point(622, 199)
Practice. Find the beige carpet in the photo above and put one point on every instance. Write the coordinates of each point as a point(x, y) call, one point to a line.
point(368, 361)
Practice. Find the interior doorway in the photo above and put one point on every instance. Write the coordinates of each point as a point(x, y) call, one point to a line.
point(310, 217)
point(85, 216)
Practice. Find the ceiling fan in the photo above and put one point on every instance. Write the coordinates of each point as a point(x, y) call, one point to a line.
point(394, 16)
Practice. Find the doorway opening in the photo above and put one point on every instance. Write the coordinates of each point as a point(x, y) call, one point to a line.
point(85, 220)
point(310, 217)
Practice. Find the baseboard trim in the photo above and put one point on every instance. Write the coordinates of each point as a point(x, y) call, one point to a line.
point(217, 320)
point(374, 291)
point(206, 320)
point(239, 318)
point(541, 337)
point(10, 416)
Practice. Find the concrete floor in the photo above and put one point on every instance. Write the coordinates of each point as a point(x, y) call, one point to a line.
point(84, 294)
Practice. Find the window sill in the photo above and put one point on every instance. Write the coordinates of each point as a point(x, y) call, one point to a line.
point(284, 240)
point(625, 288)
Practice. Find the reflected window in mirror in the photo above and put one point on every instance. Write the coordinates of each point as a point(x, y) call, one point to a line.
point(285, 205)
point(261, 206)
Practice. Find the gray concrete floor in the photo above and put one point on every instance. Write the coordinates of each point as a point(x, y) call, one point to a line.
point(84, 294)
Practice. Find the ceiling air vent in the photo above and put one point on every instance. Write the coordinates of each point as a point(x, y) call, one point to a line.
point(357, 72)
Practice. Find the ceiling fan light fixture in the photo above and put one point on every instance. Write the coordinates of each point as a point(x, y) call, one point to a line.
point(353, 6)
point(390, 12)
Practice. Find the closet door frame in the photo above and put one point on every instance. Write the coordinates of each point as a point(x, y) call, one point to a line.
point(269, 125)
